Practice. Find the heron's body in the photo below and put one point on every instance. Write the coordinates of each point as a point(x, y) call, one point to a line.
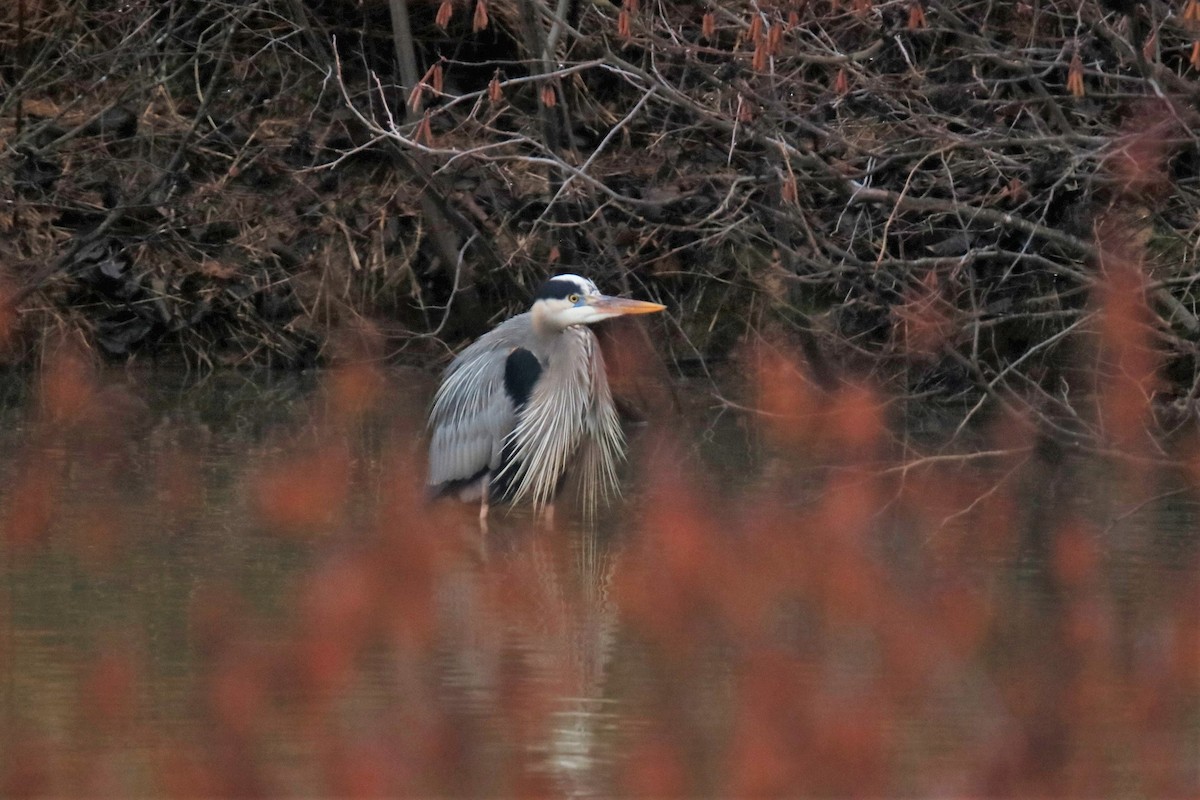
point(529, 400)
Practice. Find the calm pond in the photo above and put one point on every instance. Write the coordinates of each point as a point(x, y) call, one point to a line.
point(231, 586)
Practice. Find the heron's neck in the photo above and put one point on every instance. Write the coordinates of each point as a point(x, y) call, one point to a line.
point(543, 323)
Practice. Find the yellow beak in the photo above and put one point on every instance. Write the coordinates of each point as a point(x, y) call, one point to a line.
point(621, 306)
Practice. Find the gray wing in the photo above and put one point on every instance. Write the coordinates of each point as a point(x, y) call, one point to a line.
point(569, 413)
point(472, 414)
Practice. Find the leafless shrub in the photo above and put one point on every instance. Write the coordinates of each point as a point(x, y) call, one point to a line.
point(911, 190)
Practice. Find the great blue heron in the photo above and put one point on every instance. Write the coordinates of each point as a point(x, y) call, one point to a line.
point(530, 399)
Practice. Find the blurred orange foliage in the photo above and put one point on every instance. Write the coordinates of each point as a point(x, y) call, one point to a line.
point(306, 493)
point(858, 616)
point(1129, 370)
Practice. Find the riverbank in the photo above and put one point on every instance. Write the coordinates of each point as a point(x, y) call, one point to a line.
point(905, 193)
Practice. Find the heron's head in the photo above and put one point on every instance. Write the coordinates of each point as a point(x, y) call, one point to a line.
point(567, 300)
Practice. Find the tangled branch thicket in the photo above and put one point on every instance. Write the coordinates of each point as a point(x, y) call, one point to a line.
point(924, 192)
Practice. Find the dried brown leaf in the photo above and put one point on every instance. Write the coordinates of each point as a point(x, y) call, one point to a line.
point(774, 38)
point(759, 61)
point(414, 97)
point(841, 83)
point(433, 78)
point(916, 17)
point(424, 132)
point(444, 13)
point(744, 112)
point(788, 191)
point(1075, 76)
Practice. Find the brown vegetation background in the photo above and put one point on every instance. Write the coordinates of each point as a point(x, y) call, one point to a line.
point(918, 190)
point(854, 204)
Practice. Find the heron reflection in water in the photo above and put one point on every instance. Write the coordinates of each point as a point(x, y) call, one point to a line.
point(529, 400)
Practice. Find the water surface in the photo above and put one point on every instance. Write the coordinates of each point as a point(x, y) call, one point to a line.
point(230, 585)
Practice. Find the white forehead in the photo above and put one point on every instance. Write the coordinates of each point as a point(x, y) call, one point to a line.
point(586, 287)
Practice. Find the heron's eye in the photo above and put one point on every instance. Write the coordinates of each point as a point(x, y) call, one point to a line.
point(572, 298)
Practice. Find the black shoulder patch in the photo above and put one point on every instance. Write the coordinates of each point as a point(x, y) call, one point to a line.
point(556, 289)
point(521, 372)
